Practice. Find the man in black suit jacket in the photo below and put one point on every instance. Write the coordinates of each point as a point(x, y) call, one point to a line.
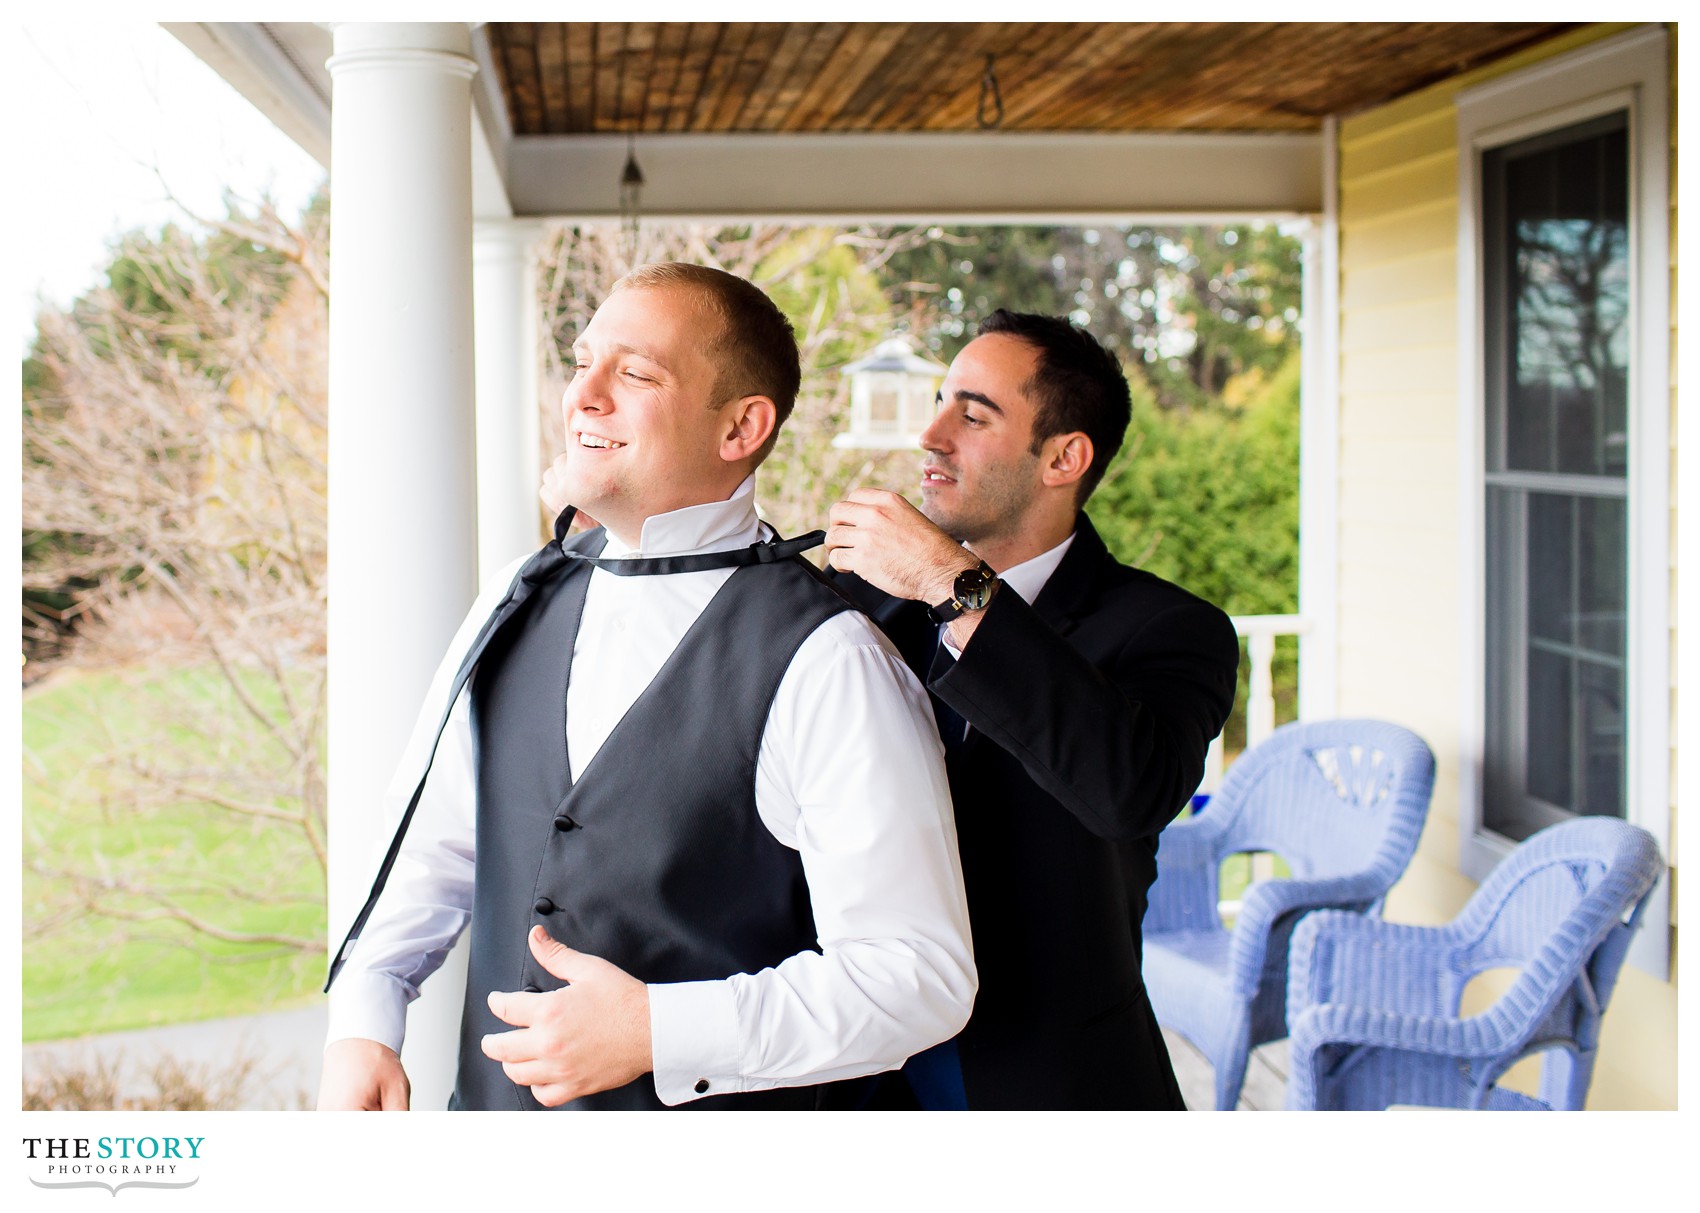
point(1090, 692)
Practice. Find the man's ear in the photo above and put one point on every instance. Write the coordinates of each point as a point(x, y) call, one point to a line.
point(747, 424)
point(1064, 459)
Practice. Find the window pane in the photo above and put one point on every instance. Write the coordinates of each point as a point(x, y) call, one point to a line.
point(1549, 724)
point(1552, 572)
point(1559, 279)
point(1601, 718)
point(1603, 568)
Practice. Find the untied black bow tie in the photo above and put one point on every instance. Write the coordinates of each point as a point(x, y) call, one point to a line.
point(553, 556)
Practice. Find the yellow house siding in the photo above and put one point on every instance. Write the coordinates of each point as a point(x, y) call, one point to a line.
point(1401, 486)
point(1418, 460)
point(1394, 189)
point(1380, 148)
point(1395, 326)
point(1398, 341)
point(1410, 276)
point(1430, 224)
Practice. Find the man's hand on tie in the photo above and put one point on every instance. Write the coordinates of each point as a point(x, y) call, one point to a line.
point(590, 1036)
point(892, 546)
point(554, 490)
point(554, 494)
point(362, 1076)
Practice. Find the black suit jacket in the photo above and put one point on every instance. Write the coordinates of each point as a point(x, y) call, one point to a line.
point(1091, 711)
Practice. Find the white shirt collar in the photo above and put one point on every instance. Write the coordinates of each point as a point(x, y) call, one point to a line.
point(1026, 579)
point(1030, 576)
point(712, 526)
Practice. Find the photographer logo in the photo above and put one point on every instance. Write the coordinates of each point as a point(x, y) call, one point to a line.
point(113, 1163)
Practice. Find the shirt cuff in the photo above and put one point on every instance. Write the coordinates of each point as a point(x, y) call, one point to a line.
point(693, 1039)
point(371, 1006)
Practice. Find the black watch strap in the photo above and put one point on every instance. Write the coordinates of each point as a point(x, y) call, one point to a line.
point(945, 611)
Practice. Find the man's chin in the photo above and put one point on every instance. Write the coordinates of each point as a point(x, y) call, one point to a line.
point(589, 492)
point(941, 518)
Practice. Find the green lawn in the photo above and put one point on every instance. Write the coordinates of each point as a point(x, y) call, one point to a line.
point(85, 973)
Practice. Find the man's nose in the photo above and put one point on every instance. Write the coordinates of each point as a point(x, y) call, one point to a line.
point(587, 391)
point(936, 437)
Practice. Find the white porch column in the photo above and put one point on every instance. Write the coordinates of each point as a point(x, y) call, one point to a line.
point(402, 552)
point(1319, 449)
point(505, 310)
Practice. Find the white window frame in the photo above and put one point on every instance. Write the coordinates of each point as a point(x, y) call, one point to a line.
point(1630, 72)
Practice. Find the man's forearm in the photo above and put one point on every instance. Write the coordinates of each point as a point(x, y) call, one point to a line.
point(427, 899)
point(1121, 748)
point(849, 1011)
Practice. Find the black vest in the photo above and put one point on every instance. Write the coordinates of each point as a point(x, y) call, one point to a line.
point(656, 859)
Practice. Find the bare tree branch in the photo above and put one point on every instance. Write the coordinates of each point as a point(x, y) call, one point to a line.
point(174, 477)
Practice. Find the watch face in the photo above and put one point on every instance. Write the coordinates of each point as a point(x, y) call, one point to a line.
point(973, 589)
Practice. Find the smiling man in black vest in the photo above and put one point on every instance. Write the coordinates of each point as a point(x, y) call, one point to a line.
point(1076, 698)
point(690, 801)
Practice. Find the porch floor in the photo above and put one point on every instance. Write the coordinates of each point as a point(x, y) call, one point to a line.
point(1265, 1087)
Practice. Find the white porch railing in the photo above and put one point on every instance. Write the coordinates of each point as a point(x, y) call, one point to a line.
point(1259, 633)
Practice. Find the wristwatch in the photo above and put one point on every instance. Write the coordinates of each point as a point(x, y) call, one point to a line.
point(973, 590)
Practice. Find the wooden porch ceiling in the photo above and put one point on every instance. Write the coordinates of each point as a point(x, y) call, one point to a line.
point(561, 78)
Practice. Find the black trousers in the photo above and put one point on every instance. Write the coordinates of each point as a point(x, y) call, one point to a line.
point(1115, 1061)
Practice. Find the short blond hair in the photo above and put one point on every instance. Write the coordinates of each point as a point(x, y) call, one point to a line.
point(755, 351)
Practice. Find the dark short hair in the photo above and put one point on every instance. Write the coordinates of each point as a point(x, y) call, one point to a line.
point(1077, 386)
point(756, 348)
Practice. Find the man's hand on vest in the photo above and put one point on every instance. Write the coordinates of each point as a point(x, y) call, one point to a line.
point(591, 1036)
point(362, 1076)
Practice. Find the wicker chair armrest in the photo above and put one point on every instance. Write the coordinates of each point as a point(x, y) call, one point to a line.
point(1479, 1036)
point(1339, 957)
point(1272, 904)
point(1182, 898)
point(1193, 842)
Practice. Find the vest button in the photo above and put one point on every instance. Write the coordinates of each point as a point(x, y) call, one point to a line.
point(702, 1086)
point(543, 906)
point(564, 823)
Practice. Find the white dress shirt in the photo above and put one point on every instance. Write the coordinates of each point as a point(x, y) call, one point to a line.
point(850, 774)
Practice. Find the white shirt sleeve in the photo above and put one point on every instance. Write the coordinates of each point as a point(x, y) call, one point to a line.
point(428, 899)
point(851, 774)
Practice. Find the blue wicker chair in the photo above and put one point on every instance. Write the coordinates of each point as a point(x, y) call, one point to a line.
point(1342, 801)
point(1374, 1005)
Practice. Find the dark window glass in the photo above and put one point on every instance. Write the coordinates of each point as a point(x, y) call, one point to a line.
point(1601, 533)
point(1551, 696)
point(1552, 571)
point(1557, 340)
point(1561, 281)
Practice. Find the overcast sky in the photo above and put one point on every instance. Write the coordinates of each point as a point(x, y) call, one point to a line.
point(99, 104)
